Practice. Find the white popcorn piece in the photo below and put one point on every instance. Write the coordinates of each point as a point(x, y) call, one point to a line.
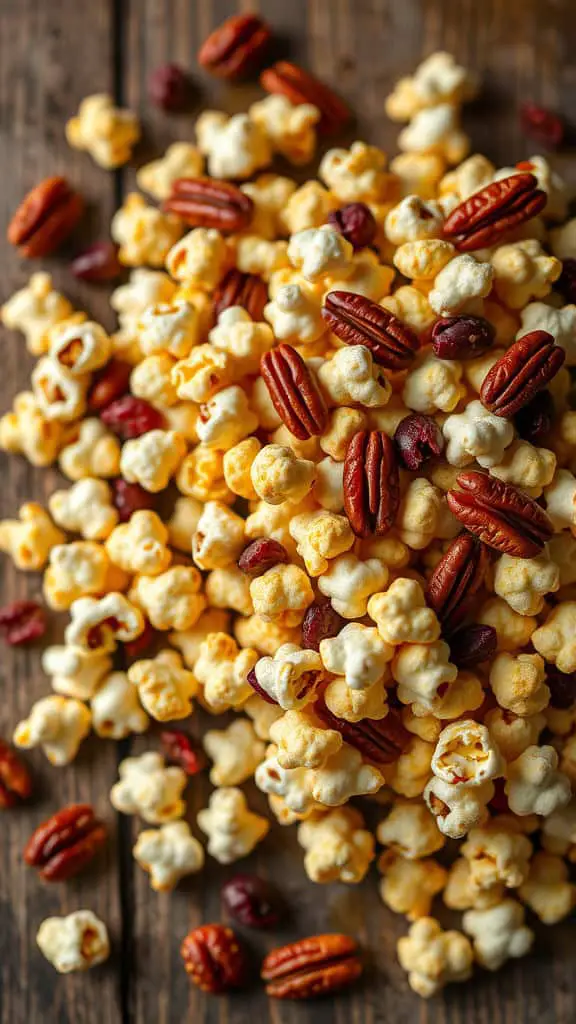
point(141, 544)
point(343, 776)
point(351, 376)
point(57, 725)
point(466, 755)
point(233, 830)
point(222, 669)
point(291, 677)
point(116, 710)
point(144, 233)
point(96, 624)
point(555, 640)
point(181, 160)
point(317, 252)
point(410, 830)
point(560, 323)
point(106, 132)
point(74, 571)
point(199, 259)
point(164, 686)
point(457, 809)
point(34, 310)
point(401, 615)
point(424, 673)
point(219, 537)
point(243, 339)
point(461, 281)
point(226, 419)
point(235, 751)
point(146, 787)
point(169, 327)
point(31, 538)
point(288, 126)
point(86, 508)
point(413, 220)
point(523, 271)
point(293, 785)
point(234, 146)
point(74, 943)
point(527, 467)
point(144, 288)
point(498, 933)
point(168, 854)
point(560, 498)
point(349, 582)
point(60, 395)
point(497, 856)
point(438, 79)
point(357, 174)
point(295, 314)
point(434, 385)
point(436, 130)
point(477, 434)
point(433, 957)
point(26, 431)
point(338, 847)
point(81, 348)
point(534, 784)
point(152, 459)
point(358, 653)
point(94, 452)
point(419, 514)
point(279, 476)
point(75, 672)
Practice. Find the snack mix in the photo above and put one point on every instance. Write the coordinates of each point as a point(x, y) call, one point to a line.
point(358, 391)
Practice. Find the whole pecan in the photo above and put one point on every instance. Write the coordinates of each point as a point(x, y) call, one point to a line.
point(21, 622)
point(472, 644)
point(315, 966)
point(236, 46)
point(45, 218)
point(483, 218)
point(526, 368)
point(534, 421)
point(462, 337)
point(300, 86)
point(501, 516)
point(65, 843)
point(262, 554)
point(357, 320)
point(294, 392)
point(98, 263)
point(371, 483)
point(209, 203)
point(379, 740)
point(356, 222)
point(238, 289)
point(214, 958)
point(458, 575)
point(15, 781)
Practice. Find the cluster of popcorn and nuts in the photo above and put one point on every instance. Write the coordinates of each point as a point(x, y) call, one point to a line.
point(360, 388)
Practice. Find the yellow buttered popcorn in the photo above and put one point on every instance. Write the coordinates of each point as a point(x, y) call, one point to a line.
point(172, 599)
point(289, 127)
point(92, 451)
point(434, 385)
point(151, 380)
point(30, 538)
point(221, 667)
point(85, 508)
point(35, 309)
point(357, 174)
point(255, 255)
point(165, 688)
point(234, 146)
point(80, 348)
point(236, 752)
point(270, 194)
point(419, 173)
point(57, 725)
point(282, 594)
point(237, 466)
point(524, 582)
point(423, 259)
point(338, 847)
point(75, 570)
point(145, 234)
point(181, 160)
point(103, 130)
point(146, 787)
point(412, 306)
point(140, 545)
point(144, 288)
point(279, 476)
point(401, 615)
point(201, 475)
point(320, 537)
point(522, 272)
point(203, 372)
point(27, 431)
point(438, 79)
point(233, 830)
point(434, 958)
point(308, 207)
point(555, 640)
point(243, 340)
point(301, 739)
point(152, 459)
point(409, 886)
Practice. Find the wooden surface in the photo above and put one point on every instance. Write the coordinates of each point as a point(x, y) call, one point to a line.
point(52, 53)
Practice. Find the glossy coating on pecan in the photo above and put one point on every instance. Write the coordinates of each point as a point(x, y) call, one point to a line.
point(371, 483)
point(300, 86)
point(320, 623)
point(380, 741)
point(534, 421)
point(462, 337)
point(129, 498)
point(108, 384)
point(15, 781)
point(262, 554)
point(562, 686)
point(314, 966)
point(169, 87)
point(98, 263)
point(209, 203)
point(252, 901)
point(65, 843)
point(526, 368)
point(214, 959)
point(546, 127)
point(130, 417)
point(483, 218)
point(235, 47)
point(21, 622)
point(294, 392)
point(45, 218)
point(501, 516)
point(238, 289)
point(418, 438)
point(356, 222)
point(457, 577)
point(179, 748)
point(357, 320)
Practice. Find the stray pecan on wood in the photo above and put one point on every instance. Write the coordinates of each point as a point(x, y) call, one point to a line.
point(238, 289)
point(235, 46)
point(357, 320)
point(458, 575)
point(483, 218)
point(380, 741)
point(214, 959)
point(501, 516)
point(294, 392)
point(315, 966)
point(300, 86)
point(371, 483)
point(15, 781)
point(208, 203)
point(526, 368)
point(45, 218)
point(65, 843)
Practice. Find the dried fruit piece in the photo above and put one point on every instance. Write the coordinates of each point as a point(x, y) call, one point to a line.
point(214, 958)
point(380, 741)
point(15, 781)
point(357, 320)
point(472, 644)
point(129, 498)
point(45, 218)
point(109, 384)
point(130, 417)
point(562, 687)
point(566, 283)
point(180, 748)
point(21, 622)
point(525, 369)
point(320, 623)
point(543, 125)
point(483, 218)
point(253, 682)
point(315, 966)
point(149, 636)
point(209, 203)
point(501, 516)
point(356, 223)
point(98, 263)
point(238, 289)
point(300, 86)
point(236, 46)
point(294, 392)
point(169, 87)
point(418, 438)
point(252, 901)
point(262, 554)
point(371, 483)
point(534, 421)
point(457, 577)
point(462, 337)
point(65, 843)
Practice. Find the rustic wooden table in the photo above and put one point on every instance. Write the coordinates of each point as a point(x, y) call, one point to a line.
point(51, 55)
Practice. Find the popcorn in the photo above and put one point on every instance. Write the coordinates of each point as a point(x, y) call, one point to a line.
point(435, 384)
point(424, 258)
point(433, 957)
point(349, 582)
point(357, 174)
point(30, 538)
point(289, 127)
point(233, 830)
point(96, 624)
point(457, 809)
point(263, 715)
point(465, 755)
point(104, 131)
point(74, 943)
point(222, 669)
point(188, 641)
point(343, 423)
point(438, 79)
point(358, 653)
point(171, 600)
point(523, 271)
point(317, 252)
point(556, 639)
point(144, 288)
point(219, 537)
point(140, 545)
point(34, 310)
point(548, 890)
point(518, 683)
point(302, 741)
point(201, 475)
point(413, 220)
point(26, 431)
point(498, 933)
point(461, 893)
point(74, 571)
point(476, 434)
point(292, 785)
point(524, 582)
point(560, 323)
point(291, 678)
point(234, 146)
point(282, 594)
point(152, 459)
point(295, 314)
point(436, 130)
point(338, 848)
point(199, 259)
point(204, 372)
point(410, 831)
point(419, 173)
point(86, 508)
point(527, 467)
point(465, 180)
point(352, 376)
point(512, 630)
point(181, 160)
point(307, 207)
point(354, 705)
point(255, 255)
point(270, 194)
point(497, 856)
point(412, 306)
point(409, 886)
point(229, 588)
point(265, 637)
point(93, 452)
point(401, 615)
point(320, 537)
point(242, 339)
point(560, 498)
point(226, 419)
point(165, 688)
point(279, 476)
point(60, 395)
point(512, 733)
point(116, 711)
point(169, 327)
point(145, 234)
point(80, 348)
point(534, 785)
point(75, 672)
point(423, 672)
point(328, 488)
point(57, 725)
point(168, 854)
point(460, 282)
point(235, 751)
point(146, 787)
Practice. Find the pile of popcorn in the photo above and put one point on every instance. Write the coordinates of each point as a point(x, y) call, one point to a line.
point(490, 754)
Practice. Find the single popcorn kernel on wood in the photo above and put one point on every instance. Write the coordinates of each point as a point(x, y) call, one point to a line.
point(45, 218)
point(214, 959)
point(315, 966)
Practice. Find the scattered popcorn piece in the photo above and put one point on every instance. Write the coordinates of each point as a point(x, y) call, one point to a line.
point(34, 310)
point(518, 683)
point(30, 538)
point(534, 785)
point(181, 160)
point(523, 271)
point(74, 571)
point(466, 755)
point(357, 174)
point(222, 669)
point(104, 131)
point(140, 545)
point(295, 314)
point(476, 434)
point(302, 741)
point(358, 653)
point(354, 705)
point(26, 431)
point(146, 787)
point(307, 207)
point(219, 537)
point(57, 725)
point(560, 498)
point(164, 686)
point(145, 234)
point(278, 475)
point(556, 639)
point(338, 847)
point(282, 594)
point(60, 395)
point(235, 751)
point(86, 508)
point(292, 785)
point(92, 452)
point(409, 886)
point(433, 957)
point(513, 630)
point(352, 376)
point(116, 710)
point(171, 600)
point(438, 79)
point(320, 537)
point(498, 933)
point(234, 146)
point(152, 459)
point(419, 513)
point(74, 943)
point(410, 830)
point(461, 281)
point(560, 323)
point(96, 624)
point(401, 615)
point(291, 677)
point(349, 582)
point(457, 809)
point(168, 854)
point(497, 856)
point(413, 220)
point(226, 419)
point(290, 128)
point(74, 671)
point(318, 252)
point(527, 467)
point(424, 673)
point(233, 830)
point(435, 385)
point(547, 889)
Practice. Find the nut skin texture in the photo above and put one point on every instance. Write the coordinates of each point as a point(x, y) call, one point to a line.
point(457, 577)
point(472, 644)
point(129, 498)
point(371, 483)
point(356, 223)
point(380, 741)
point(179, 748)
point(22, 622)
point(45, 218)
point(357, 320)
point(97, 264)
point(482, 219)
point(262, 554)
point(315, 966)
point(524, 370)
point(169, 88)
point(567, 281)
point(65, 843)
point(418, 438)
point(562, 686)
point(300, 86)
point(214, 959)
point(15, 781)
point(542, 125)
point(462, 337)
point(238, 289)
point(235, 47)
point(208, 203)
point(130, 417)
point(320, 623)
point(109, 384)
point(501, 516)
point(534, 420)
point(294, 392)
point(252, 901)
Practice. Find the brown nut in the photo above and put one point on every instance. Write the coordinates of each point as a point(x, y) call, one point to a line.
point(300, 86)
point(209, 203)
point(45, 218)
point(214, 958)
point(526, 368)
point(458, 575)
point(380, 741)
point(315, 966)
point(236, 46)
point(371, 483)
point(238, 289)
point(294, 392)
point(501, 516)
point(15, 781)
point(483, 218)
point(357, 320)
point(65, 843)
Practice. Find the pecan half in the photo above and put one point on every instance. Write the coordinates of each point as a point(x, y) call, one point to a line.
point(300, 86)
point(315, 966)
point(238, 289)
point(380, 741)
point(235, 46)
point(214, 959)
point(501, 516)
point(45, 218)
point(357, 320)
point(65, 843)
point(294, 392)
point(15, 781)
point(209, 203)
point(458, 575)
point(484, 217)
point(526, 368)
point(371, 483)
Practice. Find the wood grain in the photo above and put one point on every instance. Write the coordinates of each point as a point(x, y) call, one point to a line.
point(51, 55)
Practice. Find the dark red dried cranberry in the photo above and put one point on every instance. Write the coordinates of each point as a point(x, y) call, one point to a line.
point(566, 283)
point(252, 902)
point(499, 802)
point(148, 637)
point(129, 498)
point(542, 125)
point(562, 687)
point(262, 554)
point(418, 438)
point(472, 644)
point(320, 622)
point(181, 749)
point(130, 417)
point(97, 264)
point(356, 223)
point(108, 384)
point(169, 87)
point(462, 337)
point(22, 622)
point(535, 420)
point(253, 682)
